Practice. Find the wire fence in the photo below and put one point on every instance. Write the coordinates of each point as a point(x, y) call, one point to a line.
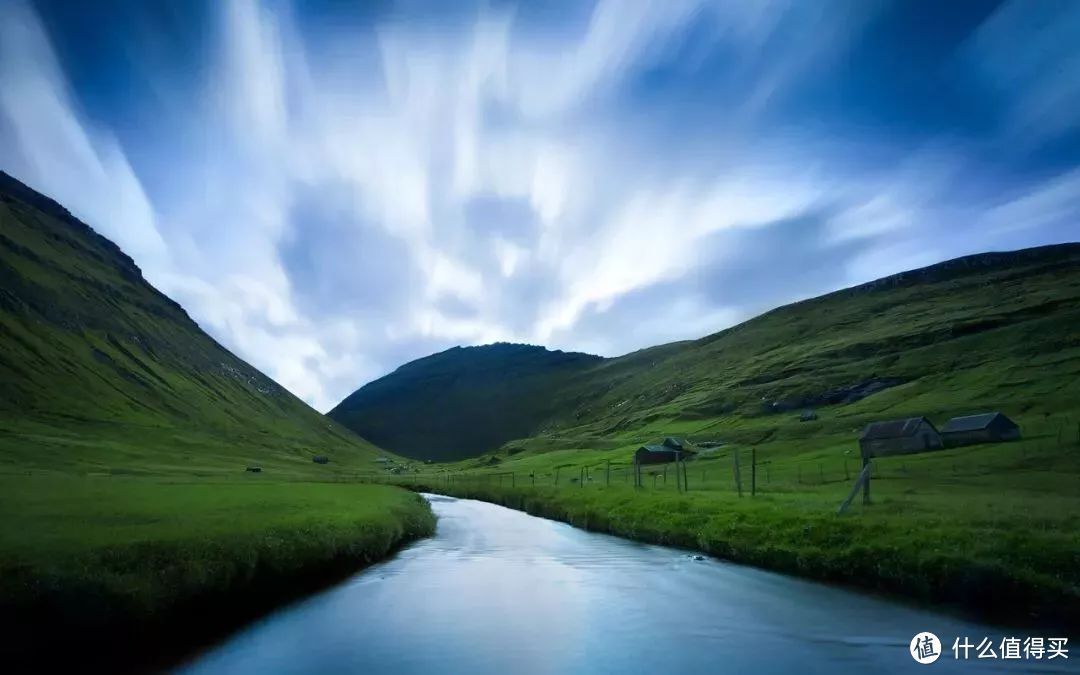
point(748, 472)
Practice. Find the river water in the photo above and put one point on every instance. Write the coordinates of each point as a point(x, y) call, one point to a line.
point(497, 591)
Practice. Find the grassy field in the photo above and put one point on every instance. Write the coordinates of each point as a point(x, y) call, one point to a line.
point(990, 529)
point(130, 529)
point(127, 571)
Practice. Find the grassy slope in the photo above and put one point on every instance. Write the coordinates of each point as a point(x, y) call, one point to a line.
point(128, 527)
point(102, 373)
point(989, 331)
point(992, 527)
point(451, 404)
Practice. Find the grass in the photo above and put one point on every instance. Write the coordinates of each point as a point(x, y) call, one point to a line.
point(989, 529)
point(996, 331)
point(136, 569)
point(130, 530)
point(104, 373)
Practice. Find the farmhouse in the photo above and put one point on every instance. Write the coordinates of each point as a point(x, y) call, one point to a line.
point(988, 427)
point(899, 437)
point(658, 454)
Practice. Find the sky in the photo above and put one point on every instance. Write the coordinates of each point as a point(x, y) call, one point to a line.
point(332, 189)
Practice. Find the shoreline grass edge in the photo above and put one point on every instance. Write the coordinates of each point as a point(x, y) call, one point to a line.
point(865, 557)
point(152, 605)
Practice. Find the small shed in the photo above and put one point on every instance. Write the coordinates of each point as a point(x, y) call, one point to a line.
point(658, 454)
point(899, 437)
point(807, 416)
point(321, 459)
point(991, 427)
point(254, 469)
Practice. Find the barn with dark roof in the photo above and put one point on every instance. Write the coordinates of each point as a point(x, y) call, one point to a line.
point(899, 437)
point(671, 450)
point(988, 427)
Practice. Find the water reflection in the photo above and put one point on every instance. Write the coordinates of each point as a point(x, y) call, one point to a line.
point(497, 591)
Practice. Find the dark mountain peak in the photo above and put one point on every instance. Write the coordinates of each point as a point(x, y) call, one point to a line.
point(462, 401)
point(476, 359)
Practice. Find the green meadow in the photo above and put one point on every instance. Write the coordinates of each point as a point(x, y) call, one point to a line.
point(992, 530)
point(138, 570)
point(130, 527)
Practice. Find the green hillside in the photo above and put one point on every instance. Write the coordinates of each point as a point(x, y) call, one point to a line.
point(463, 401)
point(102, 373)
point(130, 529)
point(989, 528)
point(991, 331)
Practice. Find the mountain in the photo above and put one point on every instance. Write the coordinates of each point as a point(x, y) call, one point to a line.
point(988, 331)
point(103, 373)
point(463, 401)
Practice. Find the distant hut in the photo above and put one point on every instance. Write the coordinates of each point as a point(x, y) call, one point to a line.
point(991, 427)
point(254, 469)
point(807, 416)
point(321, 459)
point(658, 454)
point(899, 437)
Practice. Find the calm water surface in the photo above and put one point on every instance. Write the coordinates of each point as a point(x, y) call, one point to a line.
point(496, 591)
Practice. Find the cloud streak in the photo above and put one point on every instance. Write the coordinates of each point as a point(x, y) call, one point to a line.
point(349, 192)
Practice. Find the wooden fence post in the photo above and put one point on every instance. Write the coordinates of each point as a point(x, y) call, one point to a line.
point(868, 470)
point(753, 472)
point(607, 473)
point(685, 476)
point(738, 477)
point(864, 479)
point(513, 481)
point(557, 476)
point(847, 474)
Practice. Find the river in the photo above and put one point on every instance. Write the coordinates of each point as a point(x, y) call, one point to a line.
point(497, 591)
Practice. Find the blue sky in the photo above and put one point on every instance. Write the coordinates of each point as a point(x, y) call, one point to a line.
point(332, 189)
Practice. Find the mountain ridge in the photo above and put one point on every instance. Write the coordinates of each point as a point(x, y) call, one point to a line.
point(89, 345)
point(685, 379)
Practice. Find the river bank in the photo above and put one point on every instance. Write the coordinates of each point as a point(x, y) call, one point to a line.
point(496, 591)
point(1027, 578)
point(129, 574)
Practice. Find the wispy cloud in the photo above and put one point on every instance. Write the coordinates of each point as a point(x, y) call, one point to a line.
point(340, 199)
